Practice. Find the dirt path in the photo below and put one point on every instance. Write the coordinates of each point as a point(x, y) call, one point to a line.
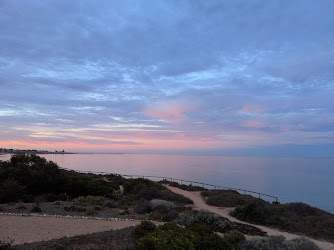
point(26, 229)
point(199, 204)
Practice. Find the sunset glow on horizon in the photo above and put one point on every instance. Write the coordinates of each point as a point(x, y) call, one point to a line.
point(199, 77)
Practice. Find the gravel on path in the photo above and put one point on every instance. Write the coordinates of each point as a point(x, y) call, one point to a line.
point(199, 204)
point(32, 228)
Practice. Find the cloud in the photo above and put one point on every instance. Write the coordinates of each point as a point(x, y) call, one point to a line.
point(174, 112)
point(191, 70)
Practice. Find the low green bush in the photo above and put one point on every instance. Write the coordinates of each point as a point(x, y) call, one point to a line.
point(235, 238)
point(225, 198)
point(36, 209)
point(170, 236)
point(91, 212)
point(143, 229)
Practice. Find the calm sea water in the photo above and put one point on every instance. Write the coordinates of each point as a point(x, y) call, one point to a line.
point(309, 180)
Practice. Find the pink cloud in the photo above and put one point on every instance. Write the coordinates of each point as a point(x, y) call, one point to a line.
point(169, 112)
point(254, 109)
point(254, 124)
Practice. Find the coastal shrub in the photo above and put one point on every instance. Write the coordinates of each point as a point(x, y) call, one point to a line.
point(170, 236)
point(89, 200)
point(21, 207)
point(170, 196)
point(24, 177)
point(292, 217)
point(11, 190)
point(36, 209)
point(75, 209)
point(6, 245)
point(265, 243)
point(199, 228)
point(91, 212)
point(156, 203)
point(167, 237)
point(235, 238)
point(225, 198)
point(110, 204)
point(144, 228)
point(184, 219)
point(255, 211)
point(215, 222)
point(98, 208)
point(116, 178)
point(161, 209)
point(183, 186)
point(143, 208)
point(139, 190)
point(136, 185)
point(163, 213)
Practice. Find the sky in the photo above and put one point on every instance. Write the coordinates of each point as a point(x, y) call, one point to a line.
point(198, 77)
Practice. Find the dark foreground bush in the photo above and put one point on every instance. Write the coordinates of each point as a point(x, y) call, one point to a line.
point(143, 229)
point(292, 217)
point(170, 236)
point(279, 244)
point(235, 238)
point(5, 245)
point(26, 177)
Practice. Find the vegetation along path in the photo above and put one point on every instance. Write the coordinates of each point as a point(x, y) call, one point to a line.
point(199, 204)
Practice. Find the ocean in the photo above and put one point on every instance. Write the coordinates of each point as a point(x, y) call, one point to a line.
point(308, 180)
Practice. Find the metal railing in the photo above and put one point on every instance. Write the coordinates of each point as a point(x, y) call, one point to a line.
point(181, 181)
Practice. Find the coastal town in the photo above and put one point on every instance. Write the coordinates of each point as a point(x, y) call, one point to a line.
point(31, 151)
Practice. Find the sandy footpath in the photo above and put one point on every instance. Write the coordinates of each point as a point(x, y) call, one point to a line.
point(199, 204)
point(26, 229)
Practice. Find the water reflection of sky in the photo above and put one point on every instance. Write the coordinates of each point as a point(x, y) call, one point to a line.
point(309, 180)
